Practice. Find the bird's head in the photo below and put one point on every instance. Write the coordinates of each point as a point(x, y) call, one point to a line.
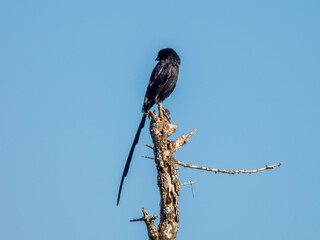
point(168, 53)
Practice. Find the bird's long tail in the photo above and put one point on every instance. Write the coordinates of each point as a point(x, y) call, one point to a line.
point(135, 141)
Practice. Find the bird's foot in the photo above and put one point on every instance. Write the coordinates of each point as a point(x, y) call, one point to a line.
point(151, 115)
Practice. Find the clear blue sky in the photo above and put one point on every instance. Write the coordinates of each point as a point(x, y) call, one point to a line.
point(72, 79)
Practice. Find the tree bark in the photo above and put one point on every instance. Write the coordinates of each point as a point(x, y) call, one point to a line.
point(168, 181)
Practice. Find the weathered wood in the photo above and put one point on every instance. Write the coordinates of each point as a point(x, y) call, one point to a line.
point(168, 181)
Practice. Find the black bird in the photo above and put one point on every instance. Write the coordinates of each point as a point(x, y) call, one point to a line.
point(161, 84)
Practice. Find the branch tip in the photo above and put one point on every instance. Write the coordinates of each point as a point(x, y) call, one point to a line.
point(149, 146)
point(147, 157)
point(217, 170)
point(184, 184)
point(177, 144)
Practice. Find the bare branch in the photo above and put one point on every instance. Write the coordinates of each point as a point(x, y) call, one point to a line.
point(216, 170)
point(145, 217)
point(147, 157)
point(190, 182)
point(152, 230)
point(181, 141)
point(184, 184)
point(149, 146)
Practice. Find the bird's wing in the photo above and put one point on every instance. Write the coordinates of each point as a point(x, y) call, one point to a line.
point(159, 78)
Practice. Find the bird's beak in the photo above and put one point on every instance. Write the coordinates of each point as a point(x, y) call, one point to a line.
point(157, 59)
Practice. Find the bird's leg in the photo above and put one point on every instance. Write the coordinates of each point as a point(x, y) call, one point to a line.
point(160, 110)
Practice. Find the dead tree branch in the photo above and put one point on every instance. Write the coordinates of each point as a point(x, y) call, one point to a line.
point(185, 184)
point(177, 144)
point(152, 230)
point(216, 170)
point(168, 181)
point(148, 157)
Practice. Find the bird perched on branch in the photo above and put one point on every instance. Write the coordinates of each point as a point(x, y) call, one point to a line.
point(161, 84)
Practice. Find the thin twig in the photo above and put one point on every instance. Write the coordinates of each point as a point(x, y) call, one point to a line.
point(149, 146)
point(191, 187)
point(184, 184)
point(154, 217)
point(147, 157)
point(177, 144)
point(191, 182)
point(149, 221)
point(227, 171)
